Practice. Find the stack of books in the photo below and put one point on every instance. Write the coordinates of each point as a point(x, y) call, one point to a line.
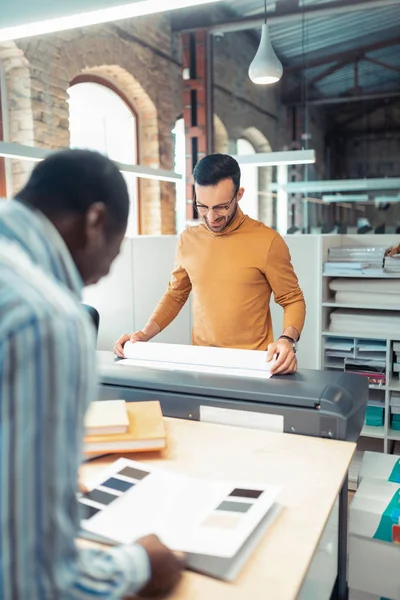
point(117, 426)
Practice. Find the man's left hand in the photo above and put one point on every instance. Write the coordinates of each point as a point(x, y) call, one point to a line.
point(286, 361)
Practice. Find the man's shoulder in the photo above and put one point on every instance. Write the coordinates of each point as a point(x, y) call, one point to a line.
point(191, 234)
point(257, 228)
point(30, 296)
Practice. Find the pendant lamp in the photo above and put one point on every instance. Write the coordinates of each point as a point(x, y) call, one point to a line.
point(266, 67)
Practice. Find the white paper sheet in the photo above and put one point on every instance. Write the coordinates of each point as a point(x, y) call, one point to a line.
point(197, 359)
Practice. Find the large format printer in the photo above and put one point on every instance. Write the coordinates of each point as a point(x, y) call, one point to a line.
point(316, 403)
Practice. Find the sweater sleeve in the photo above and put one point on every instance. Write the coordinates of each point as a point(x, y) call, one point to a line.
point(284, 284)
point(177, 293)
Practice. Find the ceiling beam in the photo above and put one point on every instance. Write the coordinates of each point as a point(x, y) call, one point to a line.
point(345, 56)
point(346, 99)
point(183, 21)
point(297, 92)
point(379, 63)
point(327, 72)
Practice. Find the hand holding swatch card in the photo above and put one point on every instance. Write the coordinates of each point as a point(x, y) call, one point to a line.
point(215, 523)
point(198, 359)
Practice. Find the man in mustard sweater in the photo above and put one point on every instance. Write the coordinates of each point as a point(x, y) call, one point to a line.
point(232, 264)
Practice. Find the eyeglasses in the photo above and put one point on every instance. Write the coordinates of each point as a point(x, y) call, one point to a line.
point(221, 209)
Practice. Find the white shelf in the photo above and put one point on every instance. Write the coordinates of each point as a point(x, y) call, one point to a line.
point(370, 436)
point(358, 336)
point(357, 275)
point(373, 386)
point(393, 434)
point(374, 432)
point(334, 304)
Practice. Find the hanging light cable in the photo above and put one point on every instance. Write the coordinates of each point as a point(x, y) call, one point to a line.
point(266, 67)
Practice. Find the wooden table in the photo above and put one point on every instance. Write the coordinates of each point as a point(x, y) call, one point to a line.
point(311, 471)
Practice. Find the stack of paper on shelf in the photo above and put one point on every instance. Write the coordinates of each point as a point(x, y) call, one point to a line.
point(396, 359)
point(384, 324)
point(374, 370)
point(145, 431)
point(392, 264)
point(345, 261)
point(216, 523)
point(374, 292)
point(197, 359)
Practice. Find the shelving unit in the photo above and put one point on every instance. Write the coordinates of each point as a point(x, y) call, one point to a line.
point(375, 438)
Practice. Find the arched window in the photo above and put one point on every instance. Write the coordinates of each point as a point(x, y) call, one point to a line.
point(249, 180)
point(101, 119)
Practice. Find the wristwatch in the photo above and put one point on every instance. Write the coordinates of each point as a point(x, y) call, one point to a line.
point(291, 340)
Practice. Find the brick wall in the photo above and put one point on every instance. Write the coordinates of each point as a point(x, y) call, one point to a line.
point(142, 59)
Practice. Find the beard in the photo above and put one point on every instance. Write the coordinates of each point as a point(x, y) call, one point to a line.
point(221, 223)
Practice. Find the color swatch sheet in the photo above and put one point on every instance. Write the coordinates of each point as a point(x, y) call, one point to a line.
point(198, 359)
point(205, 518)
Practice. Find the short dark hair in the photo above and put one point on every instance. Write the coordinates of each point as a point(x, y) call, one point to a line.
point(214, 168)
point(70, 181)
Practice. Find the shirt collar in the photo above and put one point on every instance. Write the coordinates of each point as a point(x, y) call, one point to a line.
point(40, 241)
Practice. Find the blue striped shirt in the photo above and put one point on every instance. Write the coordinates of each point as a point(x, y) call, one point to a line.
point(47, 379)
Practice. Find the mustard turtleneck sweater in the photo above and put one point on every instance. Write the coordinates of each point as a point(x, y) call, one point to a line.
point(232, 275)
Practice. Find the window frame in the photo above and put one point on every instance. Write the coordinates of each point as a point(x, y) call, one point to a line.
point(93, 78)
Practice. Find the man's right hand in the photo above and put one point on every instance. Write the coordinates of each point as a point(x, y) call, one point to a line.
point(166, 567)
point(139, 336)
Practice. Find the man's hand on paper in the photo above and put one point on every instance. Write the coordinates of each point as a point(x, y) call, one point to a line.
point(139, 336)
point(149, 331)
point(286, 361)
point(166, 567)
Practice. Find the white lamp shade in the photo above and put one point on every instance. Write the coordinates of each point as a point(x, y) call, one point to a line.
point(266, 67)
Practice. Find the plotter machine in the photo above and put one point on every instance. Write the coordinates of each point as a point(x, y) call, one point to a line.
point(316, 403)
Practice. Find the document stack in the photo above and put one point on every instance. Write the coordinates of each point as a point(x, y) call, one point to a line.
point(392, 264)
point(367, 292)
point(353, 261)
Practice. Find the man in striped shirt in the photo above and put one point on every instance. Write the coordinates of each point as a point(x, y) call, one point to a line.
point(62, 232)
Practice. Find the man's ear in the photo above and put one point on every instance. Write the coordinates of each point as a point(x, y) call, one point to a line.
point(240, 193)
point(96, 218)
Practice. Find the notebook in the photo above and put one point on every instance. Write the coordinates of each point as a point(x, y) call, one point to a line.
point(216, 523)
point(145, 432)
point(105, 417)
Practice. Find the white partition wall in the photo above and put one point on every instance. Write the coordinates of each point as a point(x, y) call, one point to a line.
point(153, 260)
point(305, 251)
point(127, 296)
point(113, 298)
